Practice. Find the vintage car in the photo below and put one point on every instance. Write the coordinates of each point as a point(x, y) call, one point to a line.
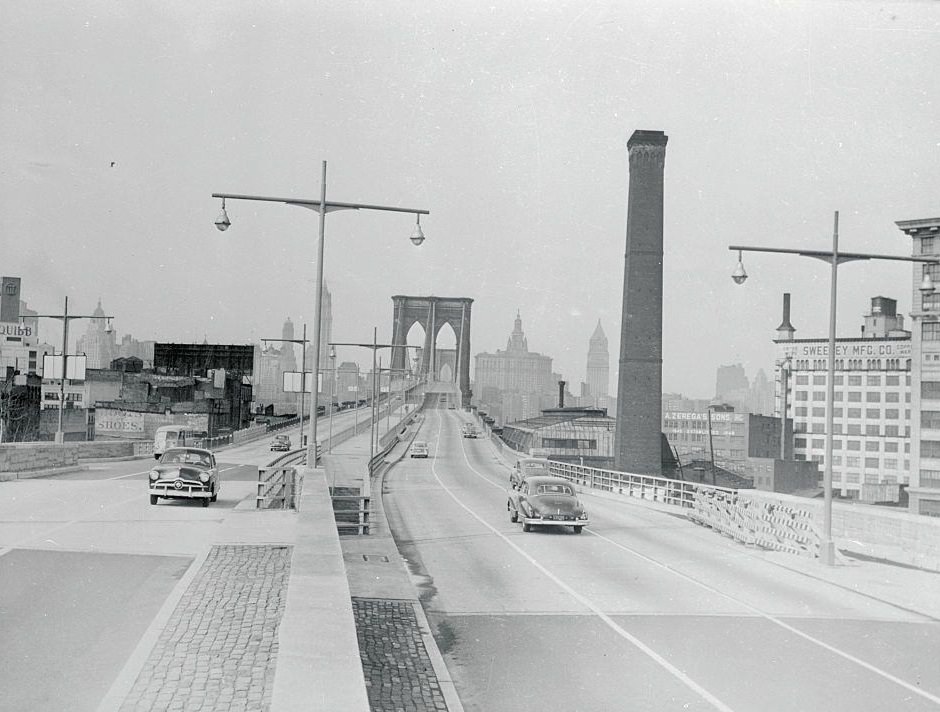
point(185, 473)
point(419, 448)
point(526, 467)
point(281, 442)
point(469, 431)
point(546, 502)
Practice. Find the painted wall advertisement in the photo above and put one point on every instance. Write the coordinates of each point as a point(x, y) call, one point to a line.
point(109, 421)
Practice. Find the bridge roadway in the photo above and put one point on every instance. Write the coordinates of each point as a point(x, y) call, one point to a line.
point(643, 611)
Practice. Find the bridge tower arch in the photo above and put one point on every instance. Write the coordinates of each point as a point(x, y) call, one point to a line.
point(432, 313)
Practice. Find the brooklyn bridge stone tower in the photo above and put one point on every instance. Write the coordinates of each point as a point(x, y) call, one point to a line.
point(637, 445)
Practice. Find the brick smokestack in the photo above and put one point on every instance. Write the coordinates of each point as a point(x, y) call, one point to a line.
point(561, 394)
point(785, 331)
point(638, 446)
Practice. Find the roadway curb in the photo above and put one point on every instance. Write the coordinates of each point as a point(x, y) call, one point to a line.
point(33, 474)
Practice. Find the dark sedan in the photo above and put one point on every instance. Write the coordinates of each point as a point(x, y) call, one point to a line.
point(546, 502)
point(185, 473)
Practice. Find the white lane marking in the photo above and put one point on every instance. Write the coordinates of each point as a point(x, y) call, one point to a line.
point(633, 640)
point(762, 614)
point(773, 619)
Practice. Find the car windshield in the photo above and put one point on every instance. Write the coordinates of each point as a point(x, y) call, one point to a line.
point(419, 445)
point(186, 457)
point(534, 465)
point(553, 489)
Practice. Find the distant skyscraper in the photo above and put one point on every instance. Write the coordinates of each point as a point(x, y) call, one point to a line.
point(731, 383)
point(98, 344)
point(598, 367)
point(326, 333)
point(274, 361)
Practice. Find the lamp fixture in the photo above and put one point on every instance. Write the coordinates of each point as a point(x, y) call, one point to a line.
point(417, 237)
point(739, 275)
point(926, 285)
point(222, 222)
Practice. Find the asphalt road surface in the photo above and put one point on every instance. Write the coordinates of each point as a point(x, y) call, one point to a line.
point(642, 611)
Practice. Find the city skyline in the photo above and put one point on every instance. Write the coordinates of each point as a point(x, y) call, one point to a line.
point(527, 109)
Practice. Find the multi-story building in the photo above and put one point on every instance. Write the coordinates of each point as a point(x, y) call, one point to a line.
point(20, 347)
point(746, 444)
point(513, 384)
point(581, 435)
point(98, 343)
point(326, 336)
point(598, 369)
point(872, 402)
point(271, 364)
point(924, 488)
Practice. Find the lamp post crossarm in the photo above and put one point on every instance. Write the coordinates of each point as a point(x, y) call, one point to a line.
point(291, 341)
point(329, 205)
point(826, 255)
point(374, 346)
point(64, 316)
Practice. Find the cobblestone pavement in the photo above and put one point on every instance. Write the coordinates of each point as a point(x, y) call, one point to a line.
point(218, 650)
point(398, 672)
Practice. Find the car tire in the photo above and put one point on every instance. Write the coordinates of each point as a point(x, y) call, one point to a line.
point(205, 501)
point(153, 499)
point(526, 527)
point(513, 514)
point(577, 530)
point(214, 497)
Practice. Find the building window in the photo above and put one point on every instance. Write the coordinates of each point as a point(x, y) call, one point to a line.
point(837, 396)
point(891, 464)
point(802, 380)
point(891, 447)
point(927, 246)
point(836, 412)
point(855, 412)
point(837, 380)
point(819, 412)
point(836, 444)
point(799, 442)
point(892, 431)
point(855, 396)
point(930, 448)
point(819, 380)
point(569, 443)
point(872, 413)
point(803, 395)
point(817, 428)
point(855, 380)
point(892, 380)
point(873, 380)
point(853, 429)
point(851, 462)
point(873, 430)
point(871, 463)
point(851, 477)
point(819, 443)
point(892, 397)
point(836, 460)
point(930, 419)
point(819, 396)
point(853, 445)
point(930, 331)
point(930, 478)
point(800, 411)
point(872, 446)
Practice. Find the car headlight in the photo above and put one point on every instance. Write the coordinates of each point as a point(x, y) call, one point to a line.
point(154, 475)
point(583, 515)
point(204, 476)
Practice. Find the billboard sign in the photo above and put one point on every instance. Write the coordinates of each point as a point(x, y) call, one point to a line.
point(74, 366)
point(292, 381)
point(110, 421)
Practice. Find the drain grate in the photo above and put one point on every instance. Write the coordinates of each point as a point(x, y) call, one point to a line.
point(375, 557)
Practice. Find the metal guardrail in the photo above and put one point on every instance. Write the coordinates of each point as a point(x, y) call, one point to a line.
point(278, 486)
point(746, 518)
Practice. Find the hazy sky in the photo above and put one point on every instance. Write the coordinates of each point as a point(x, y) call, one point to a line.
point(509, 122)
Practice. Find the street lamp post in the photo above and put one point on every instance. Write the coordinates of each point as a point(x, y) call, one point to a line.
point(66, 318)
point(303, 375)
point(222, 222)
point(834, 258)
point(373, 410)
point(332, 396)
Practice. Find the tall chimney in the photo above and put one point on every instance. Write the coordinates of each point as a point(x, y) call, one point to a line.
point(561, 394)
point(785, 331)
point(637, 445)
